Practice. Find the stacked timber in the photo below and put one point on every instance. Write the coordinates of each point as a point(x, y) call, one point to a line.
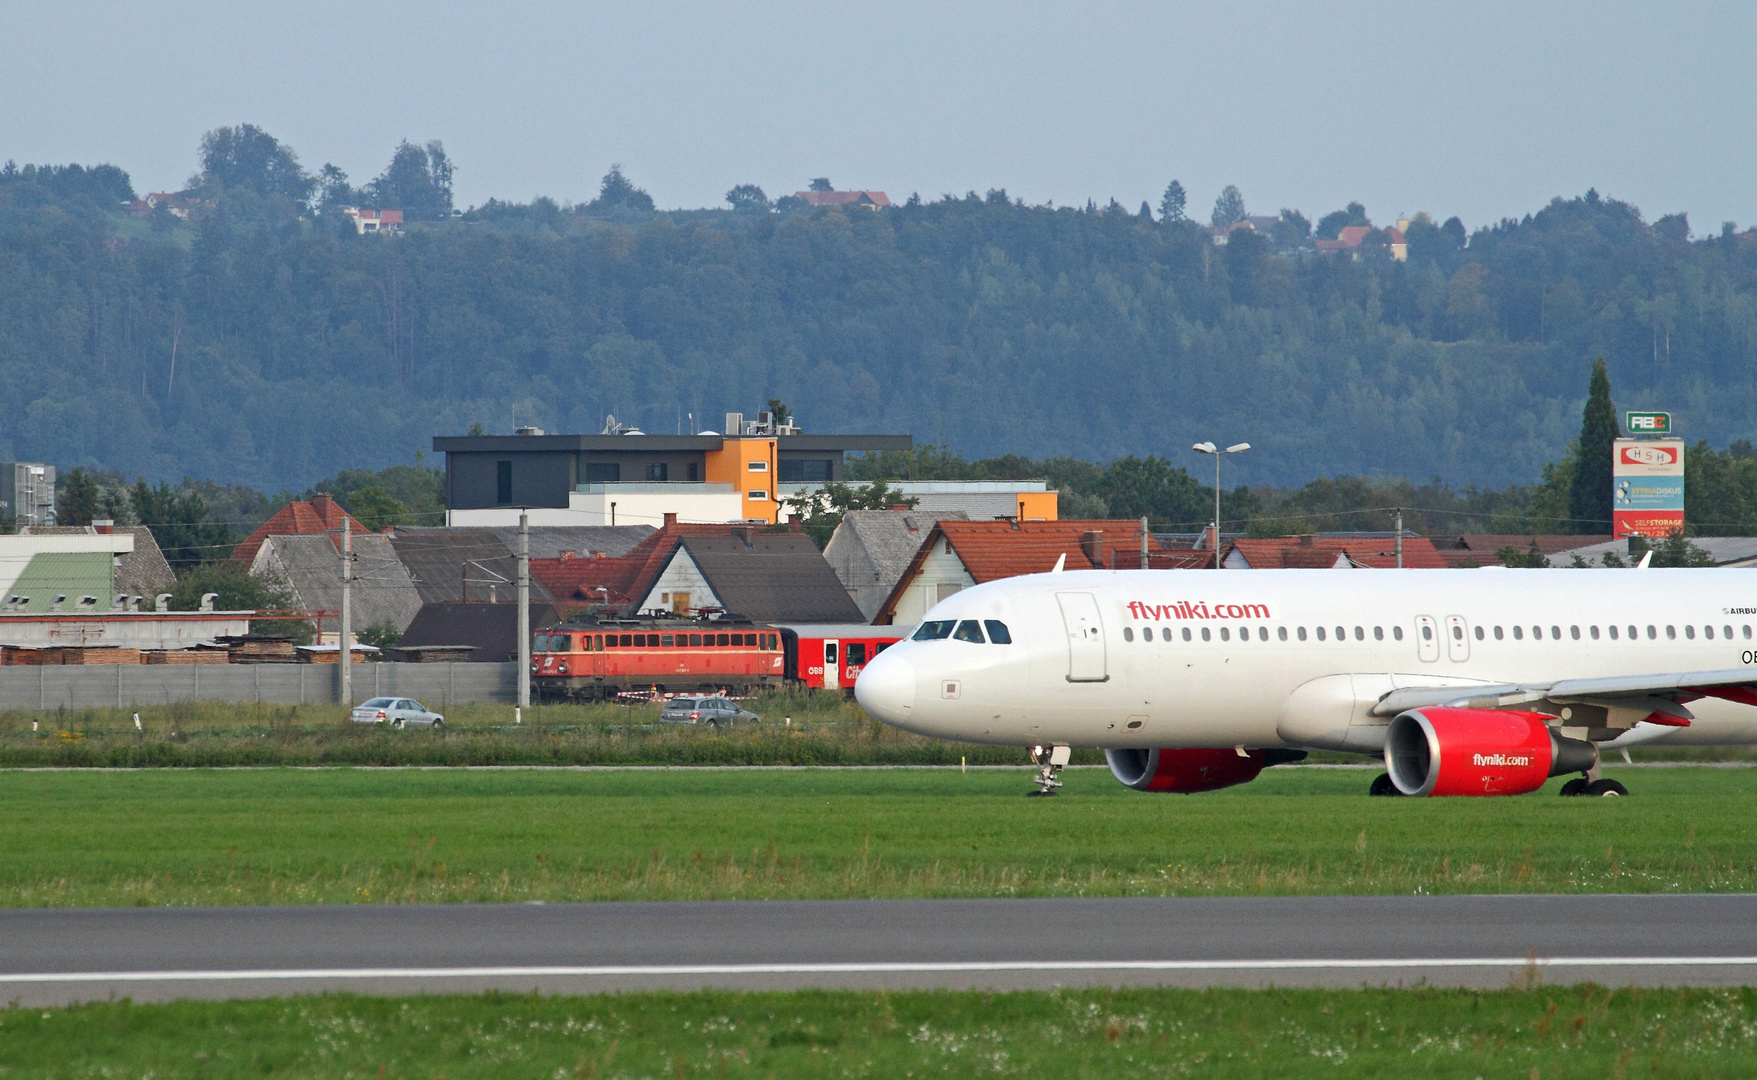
point(184, 656)
point(99, 654)
point(259, 649)
point(30, 655)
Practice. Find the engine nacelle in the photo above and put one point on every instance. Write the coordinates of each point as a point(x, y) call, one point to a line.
point(1187, 771)
point(1444, 751)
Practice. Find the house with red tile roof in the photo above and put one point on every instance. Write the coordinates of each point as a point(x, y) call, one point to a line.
point(580, 582)
point(1349, 240)
point(1330, 552)
point(313, 518)
point(958, 554)
point(871, 200)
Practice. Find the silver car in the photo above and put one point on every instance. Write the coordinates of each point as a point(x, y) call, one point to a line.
point(713, 711)
point(397, 713)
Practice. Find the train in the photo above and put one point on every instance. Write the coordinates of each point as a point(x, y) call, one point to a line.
point(602, 656)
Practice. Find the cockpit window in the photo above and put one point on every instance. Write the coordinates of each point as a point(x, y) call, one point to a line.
point(997, 632)
point(970, 630)
point(933, 631)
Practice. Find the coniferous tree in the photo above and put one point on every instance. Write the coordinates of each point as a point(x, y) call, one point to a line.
point(77, 501)
point(1589, 493)
point(1171, 206)
point(1229, 208)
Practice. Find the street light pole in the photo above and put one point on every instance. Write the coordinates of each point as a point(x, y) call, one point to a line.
point(1210, 448)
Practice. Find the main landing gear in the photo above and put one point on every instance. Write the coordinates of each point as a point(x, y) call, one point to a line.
point(1591, 783)
point(1382, 785)
point(1049, 761)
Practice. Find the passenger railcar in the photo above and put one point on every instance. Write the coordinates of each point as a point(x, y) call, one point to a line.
point(601, 658)
point(830, 656)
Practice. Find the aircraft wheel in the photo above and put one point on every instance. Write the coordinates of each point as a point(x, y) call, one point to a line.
point(1382, 785)
point(1576, 786)
point(1606, 787)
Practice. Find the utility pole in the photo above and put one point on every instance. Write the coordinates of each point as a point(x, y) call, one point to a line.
point(345, 640)
point(524, 630)
point(1398, 513)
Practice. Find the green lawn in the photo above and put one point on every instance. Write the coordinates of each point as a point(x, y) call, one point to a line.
point(1546, 1033)
point(334, 836)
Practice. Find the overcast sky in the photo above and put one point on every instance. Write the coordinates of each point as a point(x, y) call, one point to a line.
point(1483, 110)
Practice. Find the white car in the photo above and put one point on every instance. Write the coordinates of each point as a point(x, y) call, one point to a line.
point(396, 712)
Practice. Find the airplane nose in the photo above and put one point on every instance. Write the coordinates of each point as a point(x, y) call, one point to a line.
point(886, 687)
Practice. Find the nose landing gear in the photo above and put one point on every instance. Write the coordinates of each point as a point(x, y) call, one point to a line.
point(1049, 761)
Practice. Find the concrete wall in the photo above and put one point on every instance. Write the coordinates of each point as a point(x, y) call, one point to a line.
point(121, 685)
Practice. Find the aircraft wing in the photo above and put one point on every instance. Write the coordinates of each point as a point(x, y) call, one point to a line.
point(1627, 699)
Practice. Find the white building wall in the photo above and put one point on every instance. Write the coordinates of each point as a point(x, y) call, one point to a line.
point(941, 574)
point(616, 508)
point(680, 575)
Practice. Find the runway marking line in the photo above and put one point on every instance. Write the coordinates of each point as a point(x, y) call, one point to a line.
point(613, 970)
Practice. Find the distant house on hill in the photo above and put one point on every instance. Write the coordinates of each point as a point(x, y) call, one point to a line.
point(374, 221)
point(176, 203)
point(871, 200)
point(1349, 241)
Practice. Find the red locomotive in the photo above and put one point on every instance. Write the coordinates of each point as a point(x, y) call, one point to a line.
point(606, 656)
point(603, 656)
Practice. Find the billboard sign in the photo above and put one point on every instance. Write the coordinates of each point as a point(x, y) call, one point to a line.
point(1648, 480)
point(1648, 423)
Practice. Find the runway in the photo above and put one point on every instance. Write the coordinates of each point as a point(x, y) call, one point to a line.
point(57, 956)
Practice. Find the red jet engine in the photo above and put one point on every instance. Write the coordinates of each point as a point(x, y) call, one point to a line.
point(1443, 751)
point(1185, 772)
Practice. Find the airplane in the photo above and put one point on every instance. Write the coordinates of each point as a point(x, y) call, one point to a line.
point(1465, 682)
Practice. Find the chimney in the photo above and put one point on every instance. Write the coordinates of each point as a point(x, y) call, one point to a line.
point(323, 504)
point(103, 526)
point(569, 556)
point(1307, 539)
point(745, 533)
point(670, 520)
point(1092, 546)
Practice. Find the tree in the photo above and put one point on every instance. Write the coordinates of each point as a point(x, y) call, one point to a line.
point(77, 501)
point(748, 199)
point(248, 157)
point(179, 523)
point(239, 590)
point(822, 510)
point(1454, 229)
point(779, 412)
point(382, 635)
point(822, 183)
point(1146, 211)
point(1229, 208)
point(617, 192)
point(1589, 491)
point(417, 181)
point(1674, 550)
point(1134, 487)
point(333, 189)
point(377, 509)
point(1293, 229)
point(1246, 252)
point(1171, 204)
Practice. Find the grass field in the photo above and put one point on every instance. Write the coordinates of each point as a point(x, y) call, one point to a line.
point(278, 836)
point(800, 727)
point(1545, 1033)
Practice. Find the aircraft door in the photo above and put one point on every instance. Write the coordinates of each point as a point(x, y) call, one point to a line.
point(832, 665)
point(1085, 637)
point(1427, 638)
point(1457, 639)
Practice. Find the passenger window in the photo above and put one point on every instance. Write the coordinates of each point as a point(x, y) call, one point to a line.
point(1537, 633)
point(665, 641)
point(1262, 633)
point(1574, 632)
point(1689, 632)
point(1479, 633)
point(855, 654)
point(1320, 633)
point(1186, 633)
point(1729, 632)
point(1613, 630)
point(1205, 634)
point(970, 630)
point(1652, 632)
point(1397, 633)
point(1360, 634)
point(1128, 634)
point(1634, 632)
point(722, 639)
point(1301, 633)
point(1458, 633)
point(1225, 634)
point(1593, 630)
point(1519, 633)
point(1555, 633)
point(1378, 633)
point(933, 631)
point(1281, 632)
point(1427, 633)
point(997, 632)
point(1498, 635)
point(696, 639)
point(1747, 632)
point(1341, 634)
point(1671, 632)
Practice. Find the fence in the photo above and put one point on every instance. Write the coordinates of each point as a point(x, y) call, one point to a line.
point(122, 685)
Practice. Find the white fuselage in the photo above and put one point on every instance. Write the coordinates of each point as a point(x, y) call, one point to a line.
point(1267, 658)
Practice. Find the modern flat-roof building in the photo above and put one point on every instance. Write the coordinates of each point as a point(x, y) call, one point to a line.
point(27, 492)
point(632, 478)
